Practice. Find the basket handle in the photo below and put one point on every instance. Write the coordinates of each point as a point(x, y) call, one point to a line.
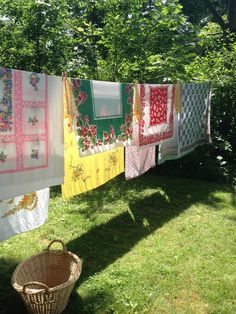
point(41, 285)
point(60, 241)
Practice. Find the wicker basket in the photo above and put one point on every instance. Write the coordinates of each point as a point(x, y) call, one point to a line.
point(45, 281)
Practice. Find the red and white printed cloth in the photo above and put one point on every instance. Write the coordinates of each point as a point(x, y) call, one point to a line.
point(156, 124)
point(138, 162)
point(31, 132)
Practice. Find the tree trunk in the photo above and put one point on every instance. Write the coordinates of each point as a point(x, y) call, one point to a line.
point(216, 15)
point(231, 15)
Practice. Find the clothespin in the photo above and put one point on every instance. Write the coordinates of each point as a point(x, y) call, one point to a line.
point(178, 97)
point(137, 114)
point(64, 75)
point(71, 111)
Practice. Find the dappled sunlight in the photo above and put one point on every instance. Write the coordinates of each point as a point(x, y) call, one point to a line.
point(90, 299)
point(152, 222)
point(217, 200)
point(118, 235)
point(107, 198)
point(9, 299)
point(188, 298)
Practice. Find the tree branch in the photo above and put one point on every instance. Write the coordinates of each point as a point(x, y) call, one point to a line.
point(231, 15)
point(216, 15)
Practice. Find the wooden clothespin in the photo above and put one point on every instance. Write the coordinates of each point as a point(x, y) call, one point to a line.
point(178, 97)
point(64, 75)
point(137, 113)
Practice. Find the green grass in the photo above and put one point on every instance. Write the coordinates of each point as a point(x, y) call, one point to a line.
point(149, 245)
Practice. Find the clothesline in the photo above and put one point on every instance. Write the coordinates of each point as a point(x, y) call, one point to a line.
point(81, 133)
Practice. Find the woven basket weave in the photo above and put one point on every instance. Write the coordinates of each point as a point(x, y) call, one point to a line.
point(45, 281)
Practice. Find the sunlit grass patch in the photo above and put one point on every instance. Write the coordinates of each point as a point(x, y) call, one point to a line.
point(149, 245)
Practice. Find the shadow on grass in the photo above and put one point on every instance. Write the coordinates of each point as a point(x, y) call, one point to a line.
point(105, 243)
point(9, 300)
point(55, 191)
point(152, 201)
point(88, 304)
point(231, 218)
point(183, 191)
point(168, 197)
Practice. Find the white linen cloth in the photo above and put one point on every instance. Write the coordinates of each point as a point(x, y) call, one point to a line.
point(23, 213)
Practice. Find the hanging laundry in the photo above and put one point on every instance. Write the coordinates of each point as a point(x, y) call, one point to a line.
point(192, 126)
point(105, 115)
point(70, 110)
point(31, 132)
point(156, 123)
point(86, 173)
point(178, 98)
point(169, 149)
point(138, 162)
point(23, 213)
point(137, 112)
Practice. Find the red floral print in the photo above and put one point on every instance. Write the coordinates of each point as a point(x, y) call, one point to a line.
point(151, 139)
point(81, 97)
point(158, 105)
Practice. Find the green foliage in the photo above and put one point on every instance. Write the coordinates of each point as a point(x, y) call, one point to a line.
point(35, 35)
point(143, 42)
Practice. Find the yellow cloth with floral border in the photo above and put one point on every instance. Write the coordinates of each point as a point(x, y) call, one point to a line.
point(86, 173)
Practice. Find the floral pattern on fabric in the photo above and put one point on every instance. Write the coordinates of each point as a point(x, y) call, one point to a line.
point(93, 135)
point(26, 142)
point(34, 154)
point(162, 131)
point(33, 139)
point(23, 213)
point(112, 160)
point(80, 176)
point(6, 100)
point(33, 121)
point(78, 172)
point(3, 157)
point(88, 133)
point(28, 202)
point(81, 96)
point(138, 162)
point(158, 105)
point(34, 80)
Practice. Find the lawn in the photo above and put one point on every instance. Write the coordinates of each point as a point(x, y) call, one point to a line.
point(149, 245)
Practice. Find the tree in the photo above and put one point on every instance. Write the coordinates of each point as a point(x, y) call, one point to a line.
point(198, 12)
point(232, 15)
point(35, 35)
